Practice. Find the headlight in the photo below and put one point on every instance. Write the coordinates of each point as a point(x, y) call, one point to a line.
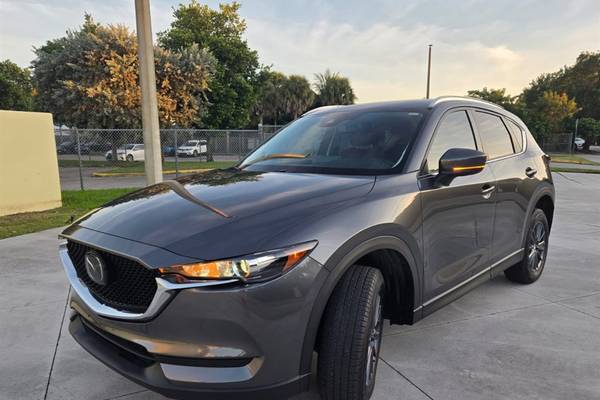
point(252, 268)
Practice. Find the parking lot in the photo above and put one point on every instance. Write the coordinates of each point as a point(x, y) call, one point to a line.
point(501, 341)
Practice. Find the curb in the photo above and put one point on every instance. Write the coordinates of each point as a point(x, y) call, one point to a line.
point(167, 172)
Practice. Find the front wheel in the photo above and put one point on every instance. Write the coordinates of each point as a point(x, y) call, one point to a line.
point(129, 157)
point(530, 268)
point(350, 336)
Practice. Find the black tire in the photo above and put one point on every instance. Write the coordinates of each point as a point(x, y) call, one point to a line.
point(350, 332)
point(536, 249)
point(129, 157)
point(195, 153)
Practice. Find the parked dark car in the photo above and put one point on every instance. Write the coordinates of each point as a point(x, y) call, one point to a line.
point(100, 147)
point(225, 283)
point(71, 148)
point(169, 151)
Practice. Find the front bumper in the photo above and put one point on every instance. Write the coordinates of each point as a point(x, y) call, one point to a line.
point(229, 341)
point(151, 373)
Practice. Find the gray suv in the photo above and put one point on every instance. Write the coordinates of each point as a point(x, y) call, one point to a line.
point(227, 284)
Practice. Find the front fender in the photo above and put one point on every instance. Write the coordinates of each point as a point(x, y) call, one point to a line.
point(386, 236)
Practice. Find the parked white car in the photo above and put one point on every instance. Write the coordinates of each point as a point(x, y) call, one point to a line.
point(192, 148)
point(579, 142)
point(128, 152)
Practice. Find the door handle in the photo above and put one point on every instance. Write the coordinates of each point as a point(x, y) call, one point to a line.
point(530, 172)
point(487, 190)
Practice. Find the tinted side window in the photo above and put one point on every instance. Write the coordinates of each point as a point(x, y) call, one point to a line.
point(495, 137)
point(517, 134)
point(454, 131)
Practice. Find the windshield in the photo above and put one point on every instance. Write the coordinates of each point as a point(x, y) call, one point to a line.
point(340, 141)
point(191, 143)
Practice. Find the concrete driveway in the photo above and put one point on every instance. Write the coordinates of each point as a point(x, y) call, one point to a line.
point(501, 341)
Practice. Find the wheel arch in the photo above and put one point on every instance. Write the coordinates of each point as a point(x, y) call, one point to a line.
point(544, 199)
point(388, 240)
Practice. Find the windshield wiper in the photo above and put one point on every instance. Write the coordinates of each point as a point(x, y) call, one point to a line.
point(277, 155)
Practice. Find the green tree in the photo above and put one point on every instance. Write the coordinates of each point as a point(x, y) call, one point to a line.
point(499, 97)
point(269, 104)
point(333, 89)
point(298, 96)
point(580, 82)
point(549, 114)
point(232, 93)
point(15, 87)
point(89, 79)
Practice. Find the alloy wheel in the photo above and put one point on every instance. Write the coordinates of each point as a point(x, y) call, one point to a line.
point(374, 343)
point(537, 246)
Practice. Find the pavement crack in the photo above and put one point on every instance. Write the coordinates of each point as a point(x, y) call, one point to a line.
point(62, 321)
point(568, 178)
point(576, 310)
point(407, 379)
point(559, 302)
point(126, 394)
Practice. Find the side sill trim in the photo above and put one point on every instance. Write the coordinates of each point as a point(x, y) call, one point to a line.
point(164, 292)
point(486, 270)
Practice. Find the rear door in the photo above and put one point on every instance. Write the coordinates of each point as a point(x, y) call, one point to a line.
point(503, 142)
point(458, 218)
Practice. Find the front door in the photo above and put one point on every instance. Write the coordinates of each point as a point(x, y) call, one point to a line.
point(457, 218)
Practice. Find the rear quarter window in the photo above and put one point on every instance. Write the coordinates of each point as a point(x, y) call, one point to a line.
point(517, 135)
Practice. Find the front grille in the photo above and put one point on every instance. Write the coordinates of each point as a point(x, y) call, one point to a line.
point(130, 287)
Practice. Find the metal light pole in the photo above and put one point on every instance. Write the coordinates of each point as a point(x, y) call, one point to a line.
point(428, 71)
point(152, 159)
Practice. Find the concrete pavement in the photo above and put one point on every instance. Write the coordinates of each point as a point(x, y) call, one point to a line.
point(501, 341)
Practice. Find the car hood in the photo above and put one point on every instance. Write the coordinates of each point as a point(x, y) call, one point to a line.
point(187, 147)
point(225, 213)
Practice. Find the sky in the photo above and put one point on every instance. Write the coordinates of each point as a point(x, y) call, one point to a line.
point(380, 45)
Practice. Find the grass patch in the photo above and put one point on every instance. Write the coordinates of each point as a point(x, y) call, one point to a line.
point(90, 163)
point(571, 159)
point(138, 167)
point(75, 204)
point(576, 170)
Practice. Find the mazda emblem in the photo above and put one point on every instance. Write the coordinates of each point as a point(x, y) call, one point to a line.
point(95, 268)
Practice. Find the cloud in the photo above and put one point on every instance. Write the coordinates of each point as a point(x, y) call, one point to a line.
point(381, 47)
point(503, 55)
point(388, 61)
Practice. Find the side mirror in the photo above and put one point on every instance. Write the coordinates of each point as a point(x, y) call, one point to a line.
point(461, 162)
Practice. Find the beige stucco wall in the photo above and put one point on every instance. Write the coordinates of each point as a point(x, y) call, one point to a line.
point(28, 166)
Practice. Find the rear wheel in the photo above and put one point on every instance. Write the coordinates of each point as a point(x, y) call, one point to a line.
point(350, 336)
point(129, 157)
point(536, 249)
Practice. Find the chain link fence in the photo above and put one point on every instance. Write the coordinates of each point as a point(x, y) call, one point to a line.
point(117, 155)
point(558, 143)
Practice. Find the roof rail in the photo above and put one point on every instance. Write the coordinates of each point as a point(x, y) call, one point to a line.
point(440, 99)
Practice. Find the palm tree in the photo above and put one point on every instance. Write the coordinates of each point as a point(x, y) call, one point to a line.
point(270, 99)
point(333, 89)
point(298, 95)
